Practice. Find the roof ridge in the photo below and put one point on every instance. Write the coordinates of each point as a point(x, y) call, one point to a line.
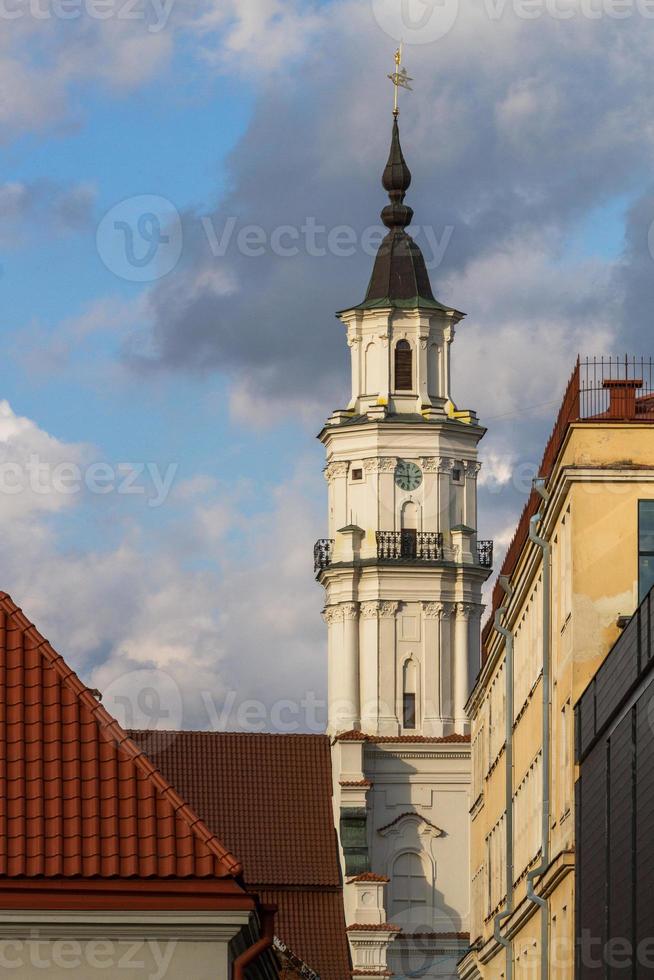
point(210, 731)
point(108, 724)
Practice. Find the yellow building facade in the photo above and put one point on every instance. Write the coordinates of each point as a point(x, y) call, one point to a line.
point(578, 562)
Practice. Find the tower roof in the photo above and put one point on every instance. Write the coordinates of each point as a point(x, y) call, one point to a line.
point(399, 276)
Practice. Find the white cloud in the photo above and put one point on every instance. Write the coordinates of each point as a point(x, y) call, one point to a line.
point(234, 608)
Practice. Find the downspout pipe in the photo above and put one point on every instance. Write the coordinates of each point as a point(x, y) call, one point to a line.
point(248, 956)
point(508, 761)
point(539, 486)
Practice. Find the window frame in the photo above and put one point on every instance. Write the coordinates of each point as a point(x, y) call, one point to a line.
point(405, 348)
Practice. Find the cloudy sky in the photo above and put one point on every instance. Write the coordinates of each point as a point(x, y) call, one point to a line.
point(188, 190)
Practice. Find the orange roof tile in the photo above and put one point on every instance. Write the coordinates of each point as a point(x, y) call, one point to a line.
point(283, 831)
point(78, 798)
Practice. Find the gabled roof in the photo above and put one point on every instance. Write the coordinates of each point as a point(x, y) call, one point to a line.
point(283, 829)
point(78, 798)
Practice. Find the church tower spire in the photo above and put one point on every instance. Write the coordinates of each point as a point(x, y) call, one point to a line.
point(399, 275)
point(402, 570)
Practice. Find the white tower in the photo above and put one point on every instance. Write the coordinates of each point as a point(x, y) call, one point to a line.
point(402, 570)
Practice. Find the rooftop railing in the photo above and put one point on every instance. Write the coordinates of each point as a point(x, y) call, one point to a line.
point(600, 389)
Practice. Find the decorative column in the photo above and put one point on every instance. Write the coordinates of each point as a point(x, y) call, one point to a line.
point(448, 336)
point(369, 666)
point(350, 684)
point(461, 665)
point(446, 665)
point(422, 368)
point(444, 468)
point(354, 343)
point(343, 666)
point(388, 701)
point(471, 469)
point(385, 466)
point(430, 509)
point(336, 476)
point(333, 617)
point(474, 643)
point(432, 721)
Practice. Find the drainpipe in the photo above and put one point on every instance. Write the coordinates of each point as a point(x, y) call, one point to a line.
point(248, 956)
point(539, 486)
point(508, 762)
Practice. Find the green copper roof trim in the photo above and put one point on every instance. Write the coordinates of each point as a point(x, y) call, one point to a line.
point(415, 303)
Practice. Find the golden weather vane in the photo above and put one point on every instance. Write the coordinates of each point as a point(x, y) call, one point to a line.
point(400, 79)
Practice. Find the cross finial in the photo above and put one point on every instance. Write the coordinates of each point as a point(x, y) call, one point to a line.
point(400, 79)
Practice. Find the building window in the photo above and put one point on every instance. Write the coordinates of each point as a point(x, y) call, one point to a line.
point(410, 885)
point(457, 475)
point(409, 696)
point(357, 474)
point(645, 547)
point(403, 366)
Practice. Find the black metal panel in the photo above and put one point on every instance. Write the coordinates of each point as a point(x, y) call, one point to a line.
point(618, 674)
point(620, 844)
point(591, 868)
point(645, 827)
point(585, 721)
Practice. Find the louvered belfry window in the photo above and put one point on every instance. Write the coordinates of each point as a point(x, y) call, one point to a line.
point(403, 366)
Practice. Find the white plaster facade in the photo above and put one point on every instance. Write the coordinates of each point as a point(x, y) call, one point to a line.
point(133, 946)
point(403, 640)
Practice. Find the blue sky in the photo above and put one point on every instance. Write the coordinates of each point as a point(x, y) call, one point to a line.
point(272, 112)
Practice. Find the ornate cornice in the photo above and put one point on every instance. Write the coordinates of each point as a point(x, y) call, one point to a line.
point(465, 609)
point(332, 614)
point(445, 464)
point(369, 610)
point(380, 464)
point(350, 610)
point(429, 464)
point(388, 610)
point(432, 610)
point(471, 468)
point(333, 470)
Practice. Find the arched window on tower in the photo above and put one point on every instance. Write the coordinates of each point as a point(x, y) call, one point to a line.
point(411, 889)
point(403, 366)
point(409, 695)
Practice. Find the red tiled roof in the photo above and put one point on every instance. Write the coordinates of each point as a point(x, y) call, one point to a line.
point(78, 798)
point(373, 927)
point(369, 876)
point(284, 785)
point(312, 924)
point(356, 736)
point(283, 829)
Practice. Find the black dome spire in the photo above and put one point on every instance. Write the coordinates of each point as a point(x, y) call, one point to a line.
point(399, 276)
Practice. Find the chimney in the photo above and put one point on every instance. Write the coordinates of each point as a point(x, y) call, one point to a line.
point(622, 401)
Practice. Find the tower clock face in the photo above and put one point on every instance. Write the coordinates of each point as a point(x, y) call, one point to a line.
point(408, 476)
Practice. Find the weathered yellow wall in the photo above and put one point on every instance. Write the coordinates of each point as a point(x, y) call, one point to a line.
point(603, 471)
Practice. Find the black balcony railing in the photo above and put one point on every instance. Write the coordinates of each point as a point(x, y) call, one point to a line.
point(403, 546)
point(322, 553)
point(485, 553)
point(409, 545)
